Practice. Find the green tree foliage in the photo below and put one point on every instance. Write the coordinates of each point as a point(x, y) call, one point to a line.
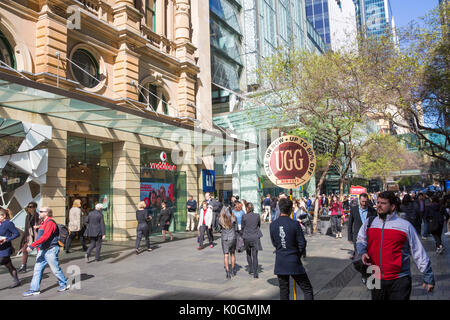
point(381, 155)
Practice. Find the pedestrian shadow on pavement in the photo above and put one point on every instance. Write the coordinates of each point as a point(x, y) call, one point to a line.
point(260, 268)
point(26, 280)
point(83, 277)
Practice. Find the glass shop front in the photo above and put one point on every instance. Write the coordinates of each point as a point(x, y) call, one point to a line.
point(161, 180)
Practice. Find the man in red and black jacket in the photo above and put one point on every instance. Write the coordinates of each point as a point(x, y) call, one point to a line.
point(48, 251)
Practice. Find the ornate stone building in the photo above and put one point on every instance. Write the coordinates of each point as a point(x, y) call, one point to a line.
point(122, 85)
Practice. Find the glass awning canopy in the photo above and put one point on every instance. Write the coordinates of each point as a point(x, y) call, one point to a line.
point(31, 96)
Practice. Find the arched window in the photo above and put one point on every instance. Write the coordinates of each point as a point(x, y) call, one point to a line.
point(6, 52)
point(89, 76)
point(155, 97)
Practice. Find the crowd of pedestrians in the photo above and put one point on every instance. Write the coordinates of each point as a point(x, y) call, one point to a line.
point(401, 220)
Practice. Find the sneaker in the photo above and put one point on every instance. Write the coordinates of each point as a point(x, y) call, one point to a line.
point(137, 251)
point(424, 238)
point(199, 248)
point(30, 293)
point(447, 233)
point(64, 288)
point(364, 280)
point(211, 246)
point(86, 258)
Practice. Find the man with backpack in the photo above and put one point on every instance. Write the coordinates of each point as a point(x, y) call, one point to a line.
point(48, 250)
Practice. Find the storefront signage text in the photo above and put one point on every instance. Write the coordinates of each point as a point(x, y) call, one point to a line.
point(161, 166)
point(289, 162)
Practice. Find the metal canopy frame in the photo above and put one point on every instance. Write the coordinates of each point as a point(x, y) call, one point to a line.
point(31, 96)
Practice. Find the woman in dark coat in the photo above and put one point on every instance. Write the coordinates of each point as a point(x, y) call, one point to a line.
point(251, 235)
point(435, 218)
point(30, 233)
point(96, 231)
point(143, 218)
point(8, 232)
point(165, 217)
point(411, 212)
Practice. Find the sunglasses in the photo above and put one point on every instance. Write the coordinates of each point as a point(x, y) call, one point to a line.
point(43, 211)
point(31, 207)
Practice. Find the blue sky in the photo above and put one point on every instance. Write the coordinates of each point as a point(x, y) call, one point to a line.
point(406, 10)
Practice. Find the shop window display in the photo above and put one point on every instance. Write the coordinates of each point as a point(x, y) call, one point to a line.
point(161, 181)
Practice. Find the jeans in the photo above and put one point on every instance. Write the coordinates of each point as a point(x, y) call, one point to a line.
point(301, 279)
point(335, 224)
point(44, 257)
point(398, 289)
point(70, 238)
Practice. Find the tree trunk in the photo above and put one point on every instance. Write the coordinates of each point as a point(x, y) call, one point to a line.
point(322, 179)
point(341, 188)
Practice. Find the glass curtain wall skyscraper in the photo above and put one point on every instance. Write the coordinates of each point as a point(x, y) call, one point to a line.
point(374, 16)
point(226, 51)
point(317, 14)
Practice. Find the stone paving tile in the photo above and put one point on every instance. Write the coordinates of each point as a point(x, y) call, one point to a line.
point(177, 270)
point(440, 265)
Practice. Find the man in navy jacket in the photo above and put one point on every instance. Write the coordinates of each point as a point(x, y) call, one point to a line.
point(289, 241)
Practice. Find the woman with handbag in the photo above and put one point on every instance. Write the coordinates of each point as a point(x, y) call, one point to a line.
point(165, 217)
point(336, 214)
point(8, 232)
point(30, 232)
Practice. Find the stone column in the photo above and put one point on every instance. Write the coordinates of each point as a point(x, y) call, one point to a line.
point(54, 190)
point(126, 70)
point(182, 28)
point(126, 189)
point(51, 37)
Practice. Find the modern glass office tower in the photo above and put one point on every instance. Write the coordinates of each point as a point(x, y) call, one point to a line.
point(254, 29)
point(374, 16)
point(335, 21)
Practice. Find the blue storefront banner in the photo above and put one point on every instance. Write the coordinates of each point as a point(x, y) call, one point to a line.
point(447, 185)
point(209, 180)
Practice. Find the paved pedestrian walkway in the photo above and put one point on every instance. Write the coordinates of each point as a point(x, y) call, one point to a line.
point(440, 264)
point(177, 270)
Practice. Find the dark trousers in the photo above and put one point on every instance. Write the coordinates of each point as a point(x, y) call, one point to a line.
point(204, 228)
point(437, 235)
point(335, 224)
point(97, 243)
point(301, 279)
point(252, 257)
point(398, 289)
point(143, 233)
point(70, 239)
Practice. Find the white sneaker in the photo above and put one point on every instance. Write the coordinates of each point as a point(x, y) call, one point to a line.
point(447, 233)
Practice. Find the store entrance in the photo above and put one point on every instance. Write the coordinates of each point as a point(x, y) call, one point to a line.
point(89, 169)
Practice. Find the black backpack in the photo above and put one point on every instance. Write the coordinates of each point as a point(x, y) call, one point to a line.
point(357, 262)
point(63, 233)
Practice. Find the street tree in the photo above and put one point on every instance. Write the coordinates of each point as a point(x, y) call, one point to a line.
point(381, 155)
point(316, 93)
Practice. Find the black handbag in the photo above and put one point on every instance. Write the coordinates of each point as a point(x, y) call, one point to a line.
point(358, 264)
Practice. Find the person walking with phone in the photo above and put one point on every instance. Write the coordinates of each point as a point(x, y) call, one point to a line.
point(388, 244)
point(29, 233)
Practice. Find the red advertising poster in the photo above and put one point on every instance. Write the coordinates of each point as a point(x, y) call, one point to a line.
point(357, 190)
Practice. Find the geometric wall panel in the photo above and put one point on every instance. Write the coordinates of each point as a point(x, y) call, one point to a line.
point(22, 170)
